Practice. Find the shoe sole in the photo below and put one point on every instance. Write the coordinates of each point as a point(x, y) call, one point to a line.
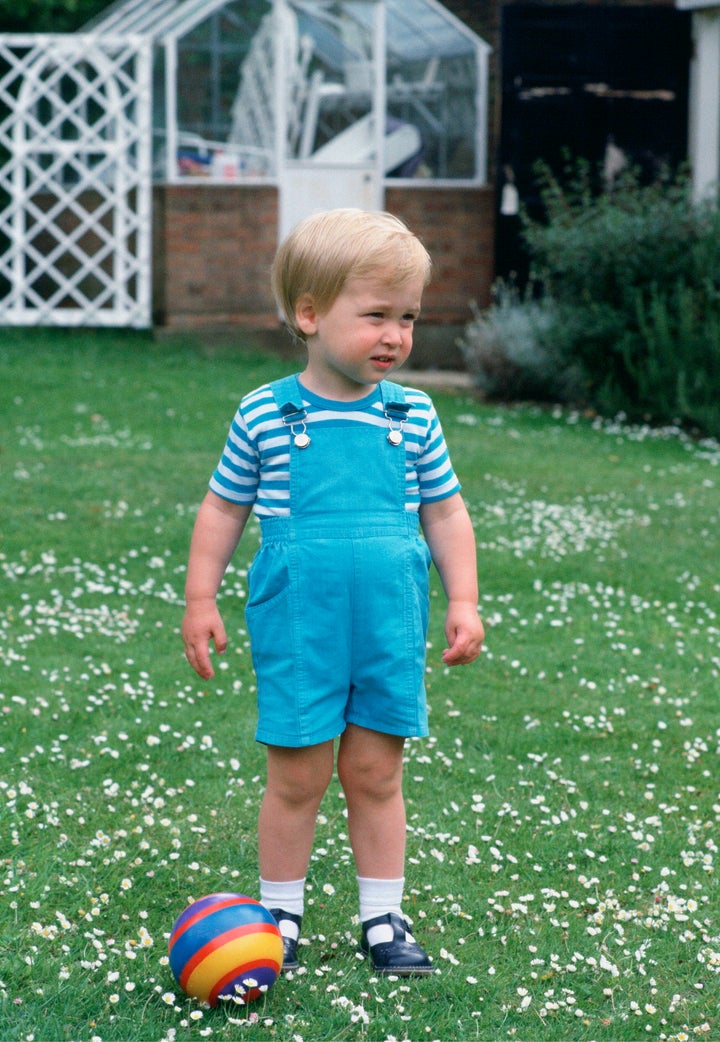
point(403, 971)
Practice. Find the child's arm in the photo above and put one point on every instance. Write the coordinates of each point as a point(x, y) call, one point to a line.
point(218, 527)
point(449, 534)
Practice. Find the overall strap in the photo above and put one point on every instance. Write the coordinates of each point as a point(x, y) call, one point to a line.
point(393, 399)
point(288, 398)
point(287, 392)
point(391, 392)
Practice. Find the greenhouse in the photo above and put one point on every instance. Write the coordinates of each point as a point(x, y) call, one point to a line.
point(303, 104)
point(242, 87)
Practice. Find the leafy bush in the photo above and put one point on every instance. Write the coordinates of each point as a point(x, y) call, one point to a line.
point(634, 275)
point(509, 354)
point(680, 373)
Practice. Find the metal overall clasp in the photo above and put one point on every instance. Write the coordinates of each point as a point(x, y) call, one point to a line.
point(396, 413)
point(294, 418)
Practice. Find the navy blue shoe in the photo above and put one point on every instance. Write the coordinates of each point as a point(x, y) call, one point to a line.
point(290, 944)
point(402, 956)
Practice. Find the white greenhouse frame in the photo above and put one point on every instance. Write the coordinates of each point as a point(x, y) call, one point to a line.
point(80, 140)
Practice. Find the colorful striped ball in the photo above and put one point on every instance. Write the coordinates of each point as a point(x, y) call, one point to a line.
point(225, 945)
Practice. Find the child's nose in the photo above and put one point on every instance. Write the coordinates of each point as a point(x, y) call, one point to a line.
point(393, 334)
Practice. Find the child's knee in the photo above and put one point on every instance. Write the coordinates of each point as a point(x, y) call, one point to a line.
point(370, 775)
point(299, 777)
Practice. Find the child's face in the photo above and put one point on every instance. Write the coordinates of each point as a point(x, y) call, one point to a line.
point(364, 335)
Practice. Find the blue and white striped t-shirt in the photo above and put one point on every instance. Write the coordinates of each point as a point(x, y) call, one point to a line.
point(255, 465)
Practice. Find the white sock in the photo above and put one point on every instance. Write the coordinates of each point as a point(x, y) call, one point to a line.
point(289, 896)
point(378, 897)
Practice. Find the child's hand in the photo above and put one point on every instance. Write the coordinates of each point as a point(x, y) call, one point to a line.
point(464, 632)
point(201, 625)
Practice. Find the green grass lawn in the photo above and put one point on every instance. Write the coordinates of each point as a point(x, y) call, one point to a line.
point(563, 817)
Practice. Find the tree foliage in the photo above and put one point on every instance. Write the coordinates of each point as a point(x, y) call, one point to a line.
point(47, 16)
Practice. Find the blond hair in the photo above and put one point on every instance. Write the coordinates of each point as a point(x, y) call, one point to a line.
point(326, 249)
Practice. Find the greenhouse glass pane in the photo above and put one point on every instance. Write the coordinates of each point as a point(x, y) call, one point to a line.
point(415, 29)
point(438, 97)
point(331, 88)
point(214, 84)
point(432, 82)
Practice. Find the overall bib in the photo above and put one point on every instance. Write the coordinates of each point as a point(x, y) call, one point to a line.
point(338, 600)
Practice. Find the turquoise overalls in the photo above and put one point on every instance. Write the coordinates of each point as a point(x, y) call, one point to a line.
point(337, 608)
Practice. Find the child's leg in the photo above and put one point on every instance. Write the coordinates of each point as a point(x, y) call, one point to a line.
point(296, 783)
point(370, 767)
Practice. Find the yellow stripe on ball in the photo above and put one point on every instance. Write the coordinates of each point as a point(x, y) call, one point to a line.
point(229, 958)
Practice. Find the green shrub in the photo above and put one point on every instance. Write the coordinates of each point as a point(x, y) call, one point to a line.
point(679, 372)
point(635, 278)
point(508, 353)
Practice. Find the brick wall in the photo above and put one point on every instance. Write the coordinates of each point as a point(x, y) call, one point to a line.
point(214, 245)
point(457, 227)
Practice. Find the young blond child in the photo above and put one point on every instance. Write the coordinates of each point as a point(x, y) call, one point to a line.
point(344, 470)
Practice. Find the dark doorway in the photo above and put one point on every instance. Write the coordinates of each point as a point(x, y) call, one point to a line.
point(603, 83)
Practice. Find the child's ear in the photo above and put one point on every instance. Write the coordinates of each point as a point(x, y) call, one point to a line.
point(306, 314)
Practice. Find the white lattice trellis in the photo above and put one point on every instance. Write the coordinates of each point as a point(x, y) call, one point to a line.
point(75, 180)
